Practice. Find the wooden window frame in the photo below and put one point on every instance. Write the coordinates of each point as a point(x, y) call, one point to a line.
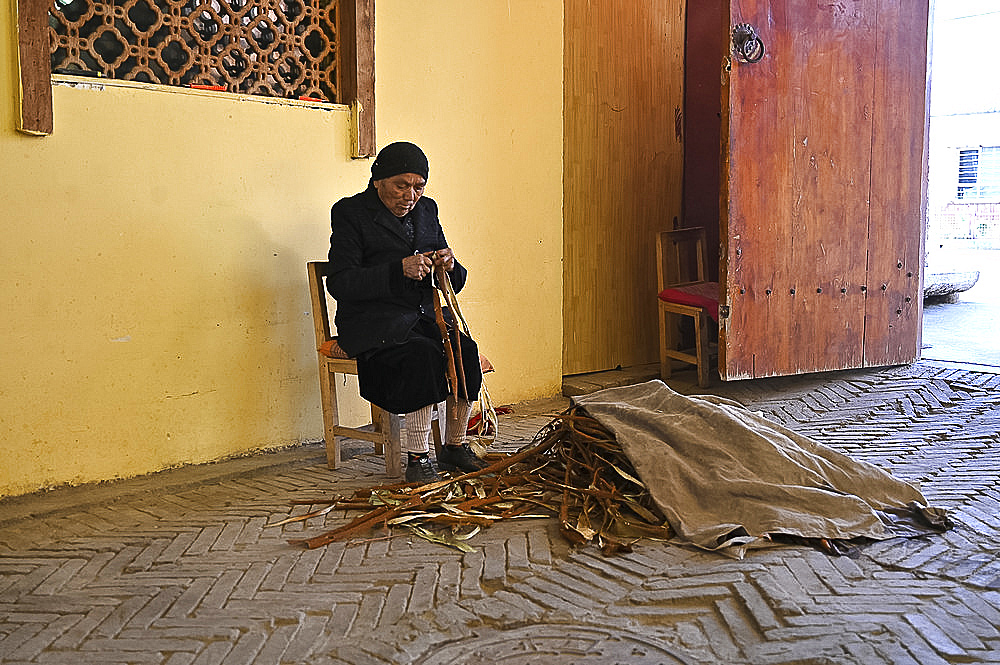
point(356, 70)
point(35, 87)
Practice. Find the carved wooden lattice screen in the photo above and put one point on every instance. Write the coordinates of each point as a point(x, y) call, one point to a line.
point(274, 48)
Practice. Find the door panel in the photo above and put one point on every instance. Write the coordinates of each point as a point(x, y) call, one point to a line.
point(802, 136)
point(899, 180)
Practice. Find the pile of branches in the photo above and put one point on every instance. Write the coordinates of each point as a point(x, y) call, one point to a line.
point(574, 470)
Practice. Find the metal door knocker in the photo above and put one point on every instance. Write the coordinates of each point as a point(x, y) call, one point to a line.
point(747, 44)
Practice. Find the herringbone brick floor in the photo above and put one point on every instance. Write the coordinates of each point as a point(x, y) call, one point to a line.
point(180, 569)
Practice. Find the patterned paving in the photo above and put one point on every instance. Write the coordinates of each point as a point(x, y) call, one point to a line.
point(186, 572)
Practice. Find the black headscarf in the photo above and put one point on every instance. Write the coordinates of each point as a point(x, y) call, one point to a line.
point(399, 157)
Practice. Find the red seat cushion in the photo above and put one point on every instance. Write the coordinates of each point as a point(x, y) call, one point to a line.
point(485, 364)
point(704, 295)
point(331, 349)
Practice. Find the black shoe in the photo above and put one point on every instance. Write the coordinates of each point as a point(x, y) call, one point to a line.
point(454, 458)
point(420, 469)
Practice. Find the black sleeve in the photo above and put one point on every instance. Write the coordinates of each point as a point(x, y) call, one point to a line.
point(350, 276)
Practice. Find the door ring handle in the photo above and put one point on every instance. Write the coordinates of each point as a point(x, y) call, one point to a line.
point(747, 43)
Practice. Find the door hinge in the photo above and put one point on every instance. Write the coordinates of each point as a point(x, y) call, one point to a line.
point(723, 311)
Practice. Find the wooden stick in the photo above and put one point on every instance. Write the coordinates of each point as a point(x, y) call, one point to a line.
point(463, 391)
point(448, 351)
point(455, 336)
point(366, 521)
point(488, 414)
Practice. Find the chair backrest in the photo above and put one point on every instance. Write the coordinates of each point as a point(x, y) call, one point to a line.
point(681, 257)
point(317, 291)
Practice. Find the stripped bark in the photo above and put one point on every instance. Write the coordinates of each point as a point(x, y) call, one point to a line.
point(573, 470)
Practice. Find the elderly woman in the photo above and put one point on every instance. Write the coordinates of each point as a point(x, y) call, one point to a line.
point(385, 244)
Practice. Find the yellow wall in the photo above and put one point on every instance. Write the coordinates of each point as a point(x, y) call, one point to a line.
point(155, 310)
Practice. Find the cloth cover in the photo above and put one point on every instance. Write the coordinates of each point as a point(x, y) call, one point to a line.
point(331, 349)
point(725, 476)
point(413, 374)
point(703, 294)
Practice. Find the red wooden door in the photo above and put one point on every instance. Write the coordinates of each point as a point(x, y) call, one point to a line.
point(822, 187)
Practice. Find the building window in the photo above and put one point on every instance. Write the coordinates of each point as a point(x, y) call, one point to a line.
point(262, 46)
point(979, 174)
point(273, 48)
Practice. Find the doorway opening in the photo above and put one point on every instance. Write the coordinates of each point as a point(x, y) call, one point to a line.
point(962, 274)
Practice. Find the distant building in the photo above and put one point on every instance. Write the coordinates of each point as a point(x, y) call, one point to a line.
point(964, 178)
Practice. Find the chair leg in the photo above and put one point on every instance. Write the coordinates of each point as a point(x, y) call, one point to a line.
point(437, 437)
point(331, 417)
point(439, 427)
point(388, 425)
point(378, 427)
point(666, 340)
point(701, 341)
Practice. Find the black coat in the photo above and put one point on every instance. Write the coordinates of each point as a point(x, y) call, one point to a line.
point(377, 305)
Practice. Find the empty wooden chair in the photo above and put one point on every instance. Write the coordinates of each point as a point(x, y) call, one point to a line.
point(684, 290)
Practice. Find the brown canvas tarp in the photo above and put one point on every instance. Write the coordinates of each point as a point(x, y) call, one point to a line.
point(725, 476)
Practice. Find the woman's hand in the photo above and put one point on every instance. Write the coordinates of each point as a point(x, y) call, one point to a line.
point(418, 266)
point(444, 257)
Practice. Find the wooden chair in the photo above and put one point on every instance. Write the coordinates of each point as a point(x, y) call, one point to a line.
point(683, 290)
point(385, 430)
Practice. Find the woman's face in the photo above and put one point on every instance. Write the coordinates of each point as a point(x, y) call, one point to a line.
point(400, 192)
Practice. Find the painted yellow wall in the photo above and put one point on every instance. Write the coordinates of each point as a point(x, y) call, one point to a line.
point(155, 310)
point(479, 86)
